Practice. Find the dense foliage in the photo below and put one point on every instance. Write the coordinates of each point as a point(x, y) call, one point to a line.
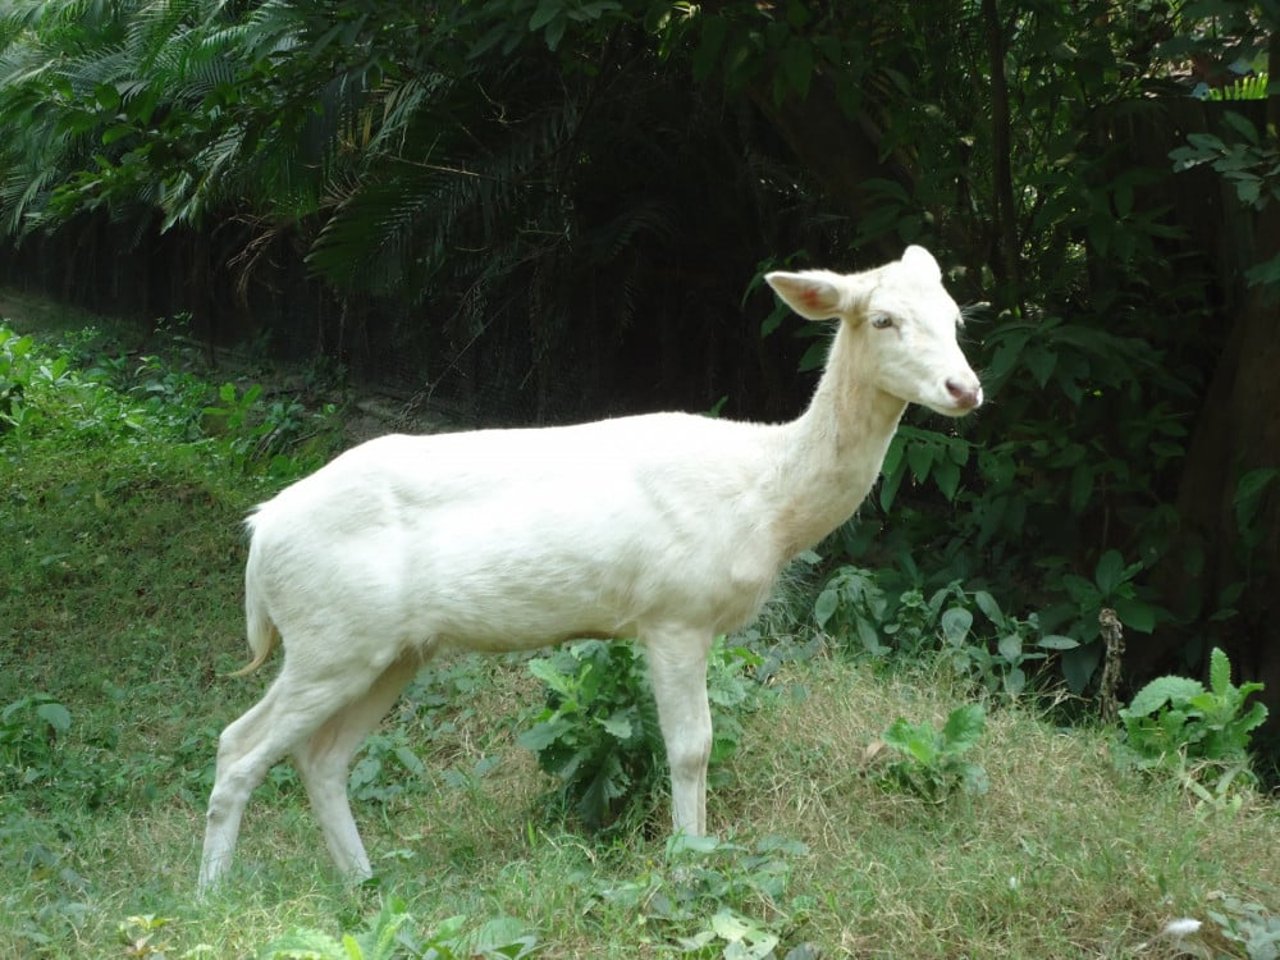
point(550, 208)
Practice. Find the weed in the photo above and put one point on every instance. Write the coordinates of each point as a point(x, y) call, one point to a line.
point(998, 664)
point(29, 731)
point(852, 604)
point(378, 775)
point(1114, 586)
point(389, 936)
point(717, 898)
point(930, 762)
point(141, 936)
point(257, 432)
point(1175, 720)
point(599, 732)
point(1250, 925)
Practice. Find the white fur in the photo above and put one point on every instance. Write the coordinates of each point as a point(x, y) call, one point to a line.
point(669, 528)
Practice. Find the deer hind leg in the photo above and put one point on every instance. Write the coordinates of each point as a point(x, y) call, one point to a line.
point(678, 671)
point(292, 709)
point(325, 758)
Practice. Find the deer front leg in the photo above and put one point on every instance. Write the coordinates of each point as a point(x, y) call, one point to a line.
point(678, 671)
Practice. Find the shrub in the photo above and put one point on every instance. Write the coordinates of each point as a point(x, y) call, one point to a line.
point(1175, 719)
point(599, 734)
point(930, 762)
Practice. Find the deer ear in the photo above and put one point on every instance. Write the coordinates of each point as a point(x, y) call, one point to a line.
point(922, 263)
point(814, 294)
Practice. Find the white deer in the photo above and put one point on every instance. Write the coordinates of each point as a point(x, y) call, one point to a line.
point(669, 528)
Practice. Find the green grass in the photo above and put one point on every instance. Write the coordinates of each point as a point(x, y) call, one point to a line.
point(120, 559)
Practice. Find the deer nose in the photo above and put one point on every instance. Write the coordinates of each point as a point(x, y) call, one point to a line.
point(966, 396)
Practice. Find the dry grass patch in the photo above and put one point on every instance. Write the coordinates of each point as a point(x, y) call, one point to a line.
point(1063, 856)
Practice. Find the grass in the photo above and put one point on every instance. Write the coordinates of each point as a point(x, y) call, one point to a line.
point(121, 560)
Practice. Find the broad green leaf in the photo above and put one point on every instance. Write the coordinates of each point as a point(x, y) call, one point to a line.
point(1206, 142)
point(1267, 272)
point(947, 476)
point(963, 728)
point(797, 64)
point(1249, 492)
point(825, 606)
point(555, 32)
point(958, 449)
point(1056, 641)
point(1219, 672)
point(987, 604)
point(730, 926)
point(303, 943)
point(1241, 124)
point(56, 715)
point(714, 29)
point(409, 760)
point(1040, 360)
point(920, 457)
point(870, 639)
point(681, 843)
point(1255, 718)
point(907, 737)
point(544, 668)
point(974, 779)
point(114, 133)
point(956, 623)
point(1138, 614)
point(1162, 691)
point(544, 13)
point(1108, 573)
point(1015, 682)
point(107, 96)
point(542, 735)
point(493, 936)
point(617, 726)
point(1010, 647)
point(923, 745)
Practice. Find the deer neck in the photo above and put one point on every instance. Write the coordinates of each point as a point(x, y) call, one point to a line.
point(832, 454)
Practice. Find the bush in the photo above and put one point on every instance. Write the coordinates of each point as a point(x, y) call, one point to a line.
point(1174, 720)
point(599, 732)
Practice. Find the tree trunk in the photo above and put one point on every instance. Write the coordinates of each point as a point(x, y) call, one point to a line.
point(1006, 214)
point(1239, 432)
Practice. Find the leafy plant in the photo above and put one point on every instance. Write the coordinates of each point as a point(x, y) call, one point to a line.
point(139, 936)
point(930, 761)
point(385, 759)
point(916, 623)
point(711, 893)
point(29, 732)
point(1248, 163)
point(999, 664)
point(1174, 720)
point(388, 936)
point(1114, 585)
point(1251, 925)
point(853, 605)
point(258, 433)
point(599, 732)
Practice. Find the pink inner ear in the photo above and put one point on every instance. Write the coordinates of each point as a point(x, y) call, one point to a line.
point(810, 298)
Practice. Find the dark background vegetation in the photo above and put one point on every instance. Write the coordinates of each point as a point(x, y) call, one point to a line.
point(531, 211)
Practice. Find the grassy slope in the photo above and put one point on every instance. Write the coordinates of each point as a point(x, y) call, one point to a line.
point(121, 566)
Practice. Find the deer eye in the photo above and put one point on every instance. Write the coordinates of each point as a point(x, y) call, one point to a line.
point(881, 321)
